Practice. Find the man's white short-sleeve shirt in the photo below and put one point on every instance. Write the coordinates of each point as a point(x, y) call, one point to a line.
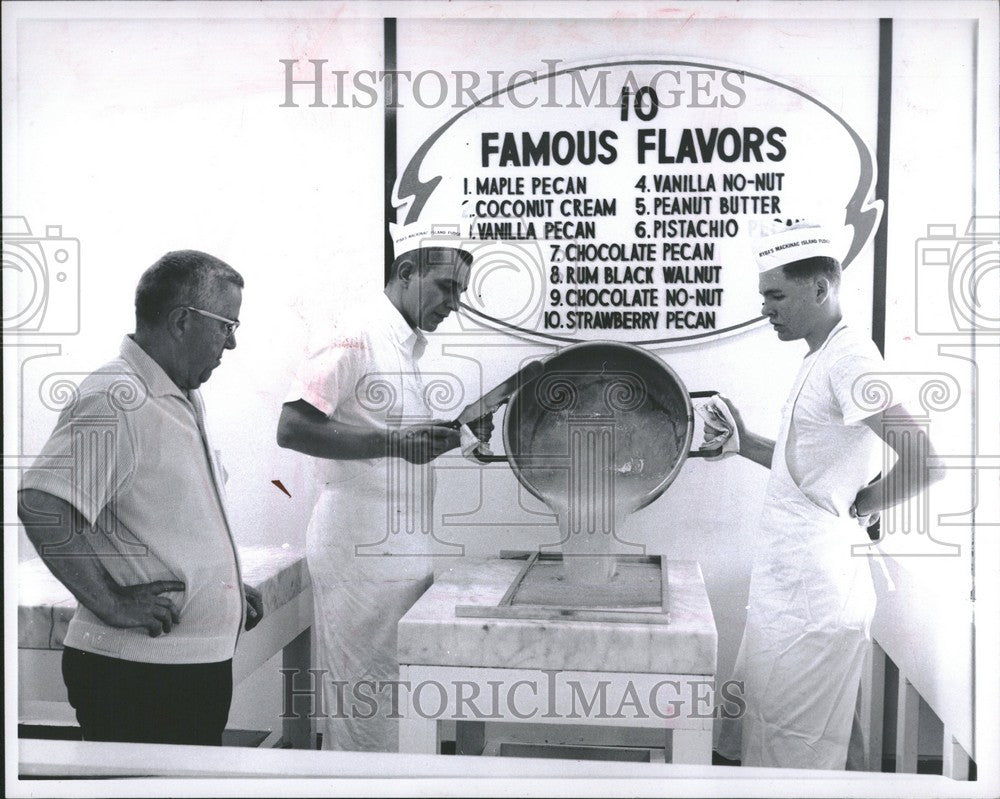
point(129, 454)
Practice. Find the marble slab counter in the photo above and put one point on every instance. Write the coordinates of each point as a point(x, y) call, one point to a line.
point(45, 607)
point(431, 634)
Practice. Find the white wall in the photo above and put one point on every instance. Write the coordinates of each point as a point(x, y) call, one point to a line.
point(141, 136)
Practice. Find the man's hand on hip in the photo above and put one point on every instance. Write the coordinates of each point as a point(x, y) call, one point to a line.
point(255, 607)
point(144, 606)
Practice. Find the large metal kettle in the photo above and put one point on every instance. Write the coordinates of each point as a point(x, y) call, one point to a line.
point(595, 417)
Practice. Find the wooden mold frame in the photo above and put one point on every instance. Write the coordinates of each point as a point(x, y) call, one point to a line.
point(505, 609)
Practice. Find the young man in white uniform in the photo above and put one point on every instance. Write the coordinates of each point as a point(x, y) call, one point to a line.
point(811, 602)
point(358, 404)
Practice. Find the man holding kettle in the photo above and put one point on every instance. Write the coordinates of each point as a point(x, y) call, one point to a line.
point(359, 405)
point(811, 602)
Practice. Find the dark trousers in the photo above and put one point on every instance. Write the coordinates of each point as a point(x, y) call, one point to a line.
point(122, 700)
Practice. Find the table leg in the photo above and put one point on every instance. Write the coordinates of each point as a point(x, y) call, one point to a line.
point(418, 736)
point(955, 763)
point(691, 746)
point(907, 727)
point(296, 655)
point(470, 737)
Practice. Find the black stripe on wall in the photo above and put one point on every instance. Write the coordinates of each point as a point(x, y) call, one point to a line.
point(389, 148)
point(882, 182)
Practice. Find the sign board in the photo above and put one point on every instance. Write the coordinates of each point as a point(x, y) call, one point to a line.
point(618, 200)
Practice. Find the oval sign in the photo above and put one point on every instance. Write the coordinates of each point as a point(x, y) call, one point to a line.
point(617, 201)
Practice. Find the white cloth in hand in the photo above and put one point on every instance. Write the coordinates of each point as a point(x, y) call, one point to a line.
point(470, 443)
point(720, 427)
point(864, 521)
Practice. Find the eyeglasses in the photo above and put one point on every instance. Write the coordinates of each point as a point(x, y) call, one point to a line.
point(231, 324)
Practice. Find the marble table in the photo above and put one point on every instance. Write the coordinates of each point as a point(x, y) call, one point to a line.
point(45, 608)
point(555, 671)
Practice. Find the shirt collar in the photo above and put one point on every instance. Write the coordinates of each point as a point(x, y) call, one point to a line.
point(836, 329)
point(829, 336)
point(158, 384)
point(410, 339)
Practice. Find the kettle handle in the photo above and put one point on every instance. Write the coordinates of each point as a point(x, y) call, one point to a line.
point(500, 395)
point(488, 458)
point(704, 453)
point(491, 458)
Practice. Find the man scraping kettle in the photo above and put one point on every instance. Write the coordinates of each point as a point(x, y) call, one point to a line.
point(811, 602)
point(359, 405)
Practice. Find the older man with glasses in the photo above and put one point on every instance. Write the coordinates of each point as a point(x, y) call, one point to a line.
point(126, 506)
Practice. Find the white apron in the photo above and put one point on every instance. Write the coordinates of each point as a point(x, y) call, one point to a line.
point(369, 555)
point(360, 597)
point(808, 622)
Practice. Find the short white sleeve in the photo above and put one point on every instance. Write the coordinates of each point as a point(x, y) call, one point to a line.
point(329, 374)
point(861, 386)
point(89, 459)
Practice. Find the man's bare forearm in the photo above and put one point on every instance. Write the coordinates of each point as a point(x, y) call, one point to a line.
point(909, 475)
point(308, 431)
point(757, 448)
point(62, 544)
point(906, 479)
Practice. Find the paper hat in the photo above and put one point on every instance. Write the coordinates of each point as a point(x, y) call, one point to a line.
point(418, 235)
point(793, 244)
